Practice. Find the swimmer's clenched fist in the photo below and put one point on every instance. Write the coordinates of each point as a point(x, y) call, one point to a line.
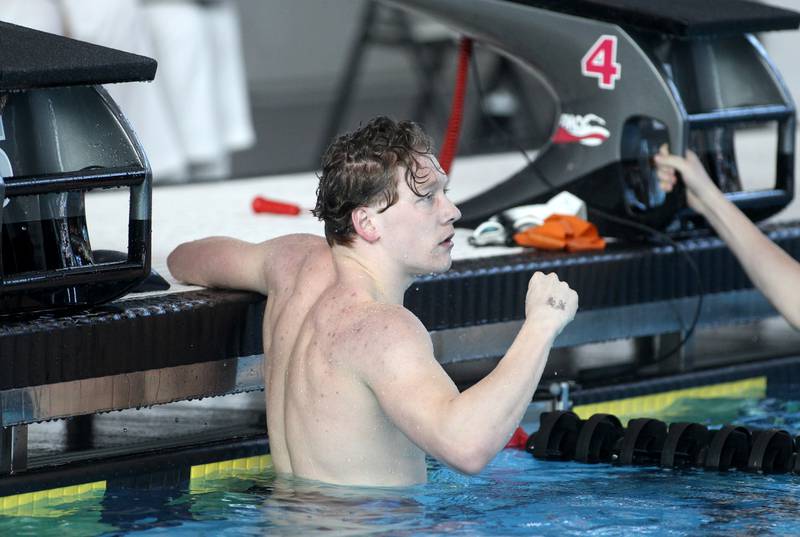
point(550, 299)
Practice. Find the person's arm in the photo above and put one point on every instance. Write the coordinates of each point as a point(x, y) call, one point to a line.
point(235, 264)
point(774, 272)
point(465, 430)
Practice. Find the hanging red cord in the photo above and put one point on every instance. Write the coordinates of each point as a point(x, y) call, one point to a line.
point(450, 145)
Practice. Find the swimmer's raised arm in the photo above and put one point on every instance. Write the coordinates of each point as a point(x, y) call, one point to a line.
point(235, 264)
point(774, 272)
point(463, 430)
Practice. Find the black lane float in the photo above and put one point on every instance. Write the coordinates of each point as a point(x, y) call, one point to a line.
point(563, 436)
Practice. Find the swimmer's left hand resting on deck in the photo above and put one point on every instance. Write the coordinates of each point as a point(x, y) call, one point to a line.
point(354, 393)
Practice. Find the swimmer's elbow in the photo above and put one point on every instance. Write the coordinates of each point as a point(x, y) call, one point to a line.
point(178, 265)
point(468, 459)
point(473, 467)
point(461, 448)
point(173, 263)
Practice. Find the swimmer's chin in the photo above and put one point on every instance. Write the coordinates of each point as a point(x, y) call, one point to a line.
point(434, 270)
point(446, 266)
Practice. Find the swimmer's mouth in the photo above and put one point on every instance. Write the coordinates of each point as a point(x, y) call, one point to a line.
point(448, 241)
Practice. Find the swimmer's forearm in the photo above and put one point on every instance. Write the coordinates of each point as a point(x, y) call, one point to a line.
point(488, 412)
point(218, 262)
point(188, 262)
point(768, 266)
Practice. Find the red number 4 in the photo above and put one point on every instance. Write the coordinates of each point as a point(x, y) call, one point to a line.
point(601, 62)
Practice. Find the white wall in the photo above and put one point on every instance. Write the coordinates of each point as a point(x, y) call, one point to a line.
point(784, 49)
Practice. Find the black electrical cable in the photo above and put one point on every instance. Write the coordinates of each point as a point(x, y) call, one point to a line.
point(665, 238)
point(655, 234)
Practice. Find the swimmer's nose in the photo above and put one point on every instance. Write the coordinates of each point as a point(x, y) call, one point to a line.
point(453, 214)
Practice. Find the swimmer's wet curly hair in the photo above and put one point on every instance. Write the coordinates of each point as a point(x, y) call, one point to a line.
point(359, 169)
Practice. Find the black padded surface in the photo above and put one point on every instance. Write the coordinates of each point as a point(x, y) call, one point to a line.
point(209, 325)
point(33, 59)
point(131, 335)
point(492, 290)
point(682, 18)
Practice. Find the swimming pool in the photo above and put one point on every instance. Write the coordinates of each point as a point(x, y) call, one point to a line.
point(515, 495)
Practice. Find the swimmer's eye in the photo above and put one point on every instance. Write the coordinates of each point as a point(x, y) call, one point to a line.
point(428, 196)
point(446, 190)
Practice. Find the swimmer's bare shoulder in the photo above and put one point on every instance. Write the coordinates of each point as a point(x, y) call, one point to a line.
point(287, 258)
point(231, 263)
point(393, 356)
point(377, 329)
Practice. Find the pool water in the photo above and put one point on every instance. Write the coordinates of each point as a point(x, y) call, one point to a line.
point(514, 495)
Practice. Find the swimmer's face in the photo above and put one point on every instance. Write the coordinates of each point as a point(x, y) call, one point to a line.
point(418, 231)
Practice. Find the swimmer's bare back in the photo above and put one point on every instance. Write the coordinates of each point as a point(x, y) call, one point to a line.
point(324, 422)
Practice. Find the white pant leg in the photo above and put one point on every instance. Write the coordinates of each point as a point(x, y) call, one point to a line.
point(233, 101)
point(184, 51)
point(121, 25)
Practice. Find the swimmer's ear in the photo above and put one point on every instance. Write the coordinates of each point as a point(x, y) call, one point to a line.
point(364, 224)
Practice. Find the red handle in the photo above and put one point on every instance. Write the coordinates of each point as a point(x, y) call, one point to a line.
point(264, 205)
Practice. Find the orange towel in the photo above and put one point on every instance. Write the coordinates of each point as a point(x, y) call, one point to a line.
point(562, 231)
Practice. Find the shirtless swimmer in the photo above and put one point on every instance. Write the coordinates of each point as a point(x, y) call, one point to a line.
point(354, 393)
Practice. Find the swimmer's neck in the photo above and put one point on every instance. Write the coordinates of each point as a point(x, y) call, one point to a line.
point(386, 283)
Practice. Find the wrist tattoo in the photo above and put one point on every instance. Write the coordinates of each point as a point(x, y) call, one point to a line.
point(561, 305)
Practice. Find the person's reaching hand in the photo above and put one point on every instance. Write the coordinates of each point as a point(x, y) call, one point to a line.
point(699, 186)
